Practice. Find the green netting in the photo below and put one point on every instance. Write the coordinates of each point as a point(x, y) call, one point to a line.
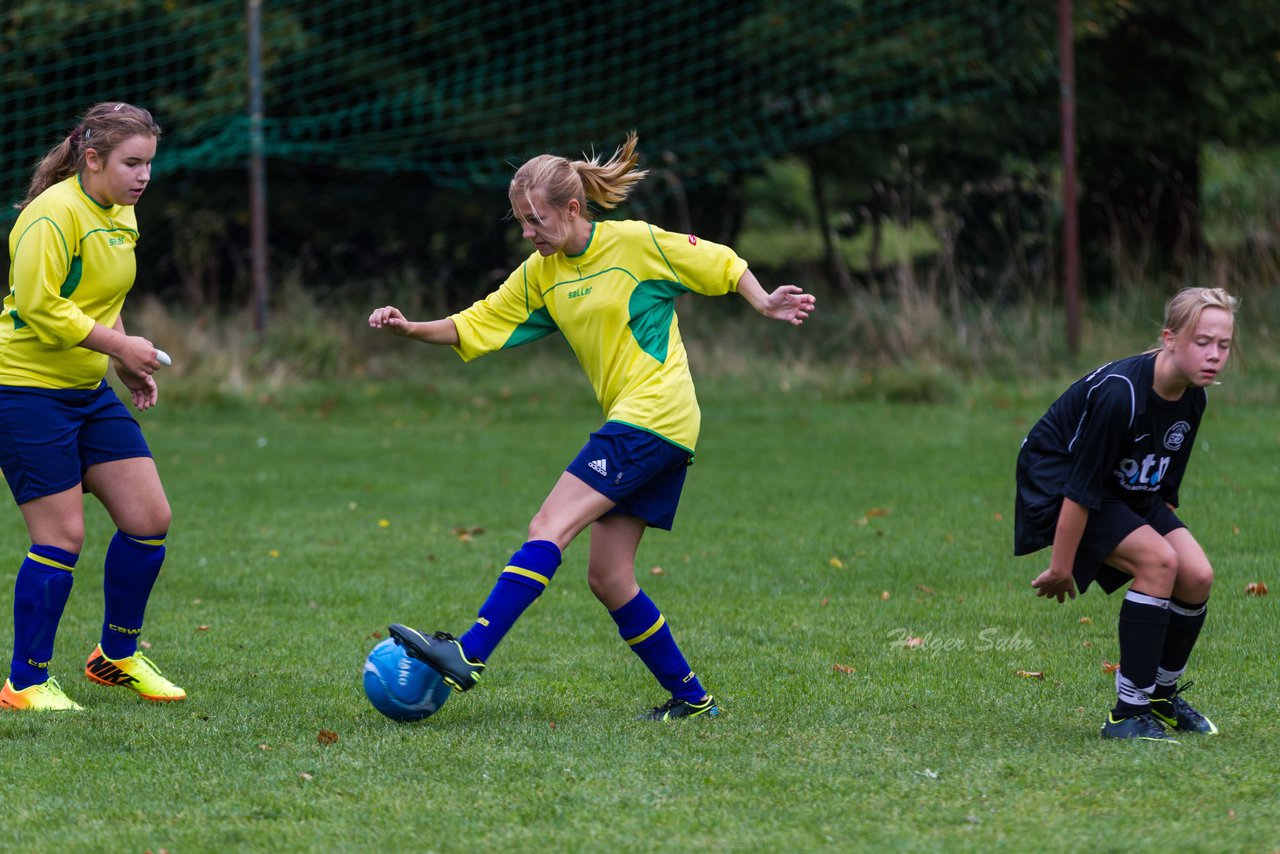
point(457, 90)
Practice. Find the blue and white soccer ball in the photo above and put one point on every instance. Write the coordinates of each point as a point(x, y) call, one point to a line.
point(402, 688)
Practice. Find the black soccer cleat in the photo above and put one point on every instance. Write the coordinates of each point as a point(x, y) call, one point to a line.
point(1142, 727)
point(1177, 714)
point(442, 653)
point(673, 708)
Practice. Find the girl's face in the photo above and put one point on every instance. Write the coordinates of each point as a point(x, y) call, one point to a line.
point(1200, 354)
point(544, 226)
point(121, 176)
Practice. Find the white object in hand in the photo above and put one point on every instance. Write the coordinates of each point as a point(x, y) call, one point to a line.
point(163, 358)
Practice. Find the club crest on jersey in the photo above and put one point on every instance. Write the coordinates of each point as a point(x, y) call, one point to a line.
point(1176, 436)
point(693, 240)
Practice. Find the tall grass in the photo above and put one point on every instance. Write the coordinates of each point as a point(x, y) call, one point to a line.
point(903, 346)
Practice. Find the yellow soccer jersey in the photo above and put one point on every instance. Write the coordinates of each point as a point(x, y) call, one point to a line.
point(615, 305)
point(72, 264)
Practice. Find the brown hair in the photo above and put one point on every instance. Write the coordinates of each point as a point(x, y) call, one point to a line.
point(102, 128)
point(559, 179)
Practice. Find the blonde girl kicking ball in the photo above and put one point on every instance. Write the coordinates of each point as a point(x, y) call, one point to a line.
point(610, 288)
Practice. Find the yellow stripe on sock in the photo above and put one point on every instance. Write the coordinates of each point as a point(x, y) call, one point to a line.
point(528, 573)
point(662, 621)
point(49, 562)
point(140, 541)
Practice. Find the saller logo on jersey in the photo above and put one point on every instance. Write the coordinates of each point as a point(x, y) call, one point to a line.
point(1176, 436)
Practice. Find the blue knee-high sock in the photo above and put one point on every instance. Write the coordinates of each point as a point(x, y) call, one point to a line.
point(645, 630)
point(527, 574)
point(39, 595)
point(130, 571)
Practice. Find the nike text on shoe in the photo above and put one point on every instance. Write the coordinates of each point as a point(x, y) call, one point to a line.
point(1177, 714)
point(137, 673)
point(42, 697)
point(442, 653)
point(673, 708)
point(1141, 727)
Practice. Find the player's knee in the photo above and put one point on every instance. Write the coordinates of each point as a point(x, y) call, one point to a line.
point(1157, 566)
point(1196, 577)
point(609, 584)
point(157, 519)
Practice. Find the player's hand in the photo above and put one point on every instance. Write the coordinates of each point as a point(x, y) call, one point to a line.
point(389, 318)
point(142, 388)
point(1050, 584)
point(788, 303)
point(137, 357)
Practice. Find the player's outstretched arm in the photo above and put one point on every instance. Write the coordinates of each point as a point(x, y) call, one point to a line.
point(442, 331)
point(787, 303)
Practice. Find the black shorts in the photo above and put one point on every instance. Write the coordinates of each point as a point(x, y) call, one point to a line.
point(1107, 527)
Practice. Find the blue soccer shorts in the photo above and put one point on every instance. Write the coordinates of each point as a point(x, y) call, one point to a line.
point(641, 472)
point(49, 437)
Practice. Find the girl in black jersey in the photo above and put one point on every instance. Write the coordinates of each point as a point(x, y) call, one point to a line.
point(1098, 478)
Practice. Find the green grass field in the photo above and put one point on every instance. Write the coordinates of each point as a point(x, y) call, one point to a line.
point(819, 530)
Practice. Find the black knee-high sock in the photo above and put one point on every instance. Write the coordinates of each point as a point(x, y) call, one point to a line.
point(1185, 622)
point(1144, 621)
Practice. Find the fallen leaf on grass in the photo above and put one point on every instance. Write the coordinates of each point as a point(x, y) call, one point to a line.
point(264, 747)
point(824, 602)
point(373, 636)
point(1086, 620)
point(1256, 588)
point(1108, 667)
point(926, 589)
point(928, 772)
point(843, 668)
point(884, 595)
point(835, 563)
point(912, 643)
point(657, 570)
point(1031, 674)
point(327, 736)
point(304, 775)
point(202, 628)
point(999, 517)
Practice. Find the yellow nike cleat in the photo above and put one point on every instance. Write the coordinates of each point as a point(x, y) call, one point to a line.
point(41, 697)
point(137, 673)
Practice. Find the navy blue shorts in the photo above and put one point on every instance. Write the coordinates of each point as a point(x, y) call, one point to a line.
point(49, 437)
point(641, 472)
point(1107, 527)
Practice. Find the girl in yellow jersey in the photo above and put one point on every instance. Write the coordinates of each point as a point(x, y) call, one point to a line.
point(63, 431)
point(609, 288)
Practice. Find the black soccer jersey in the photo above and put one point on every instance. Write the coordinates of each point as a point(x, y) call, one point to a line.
point(1108, 436)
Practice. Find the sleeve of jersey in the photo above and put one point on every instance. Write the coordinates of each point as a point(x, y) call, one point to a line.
point(42, 264)
point(512, 315)
point(1098, 442)
point(704, 267)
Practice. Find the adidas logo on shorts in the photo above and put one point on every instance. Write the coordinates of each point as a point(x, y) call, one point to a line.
point(599, 467)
